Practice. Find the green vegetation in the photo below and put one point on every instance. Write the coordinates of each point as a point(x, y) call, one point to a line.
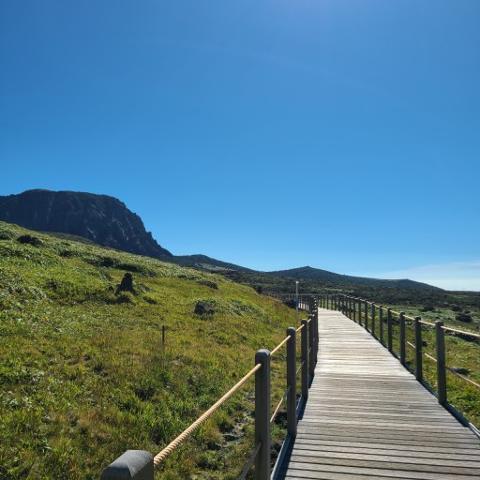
point(83, 372)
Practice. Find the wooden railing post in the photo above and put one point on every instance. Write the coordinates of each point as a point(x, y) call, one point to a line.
point(304, 356)
point(311, 347)
point(441, 367)
point(403, 339)
point(262, 415)
point(316, 338)
point(291, 382)
point(366, 315)
point(389, 330)
point(373, 318)
point(418, 350)
point(132, 465)
point(380, 323)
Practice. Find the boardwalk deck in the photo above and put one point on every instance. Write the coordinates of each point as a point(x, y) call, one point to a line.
point(368, 418)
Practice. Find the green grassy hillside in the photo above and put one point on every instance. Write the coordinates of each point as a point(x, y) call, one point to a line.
point(84, 375)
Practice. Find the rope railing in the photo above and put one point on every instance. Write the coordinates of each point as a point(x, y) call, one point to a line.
point(280, 345)
point(365, 313)
point(461, 332)
point(163, 454)
point(279, 405)
point(261, 453)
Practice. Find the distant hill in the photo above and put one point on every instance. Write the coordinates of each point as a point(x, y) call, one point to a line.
point(202, 262)
point(316, 274)
point(100, 218)
point(107, 221)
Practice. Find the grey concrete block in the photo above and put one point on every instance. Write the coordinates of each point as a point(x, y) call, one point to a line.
point(132, 465)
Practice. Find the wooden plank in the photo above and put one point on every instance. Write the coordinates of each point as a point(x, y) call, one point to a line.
point(368, 418)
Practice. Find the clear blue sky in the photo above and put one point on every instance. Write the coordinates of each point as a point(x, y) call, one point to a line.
point(340, 134)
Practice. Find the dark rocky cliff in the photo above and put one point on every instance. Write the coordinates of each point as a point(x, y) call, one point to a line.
point(99, 218)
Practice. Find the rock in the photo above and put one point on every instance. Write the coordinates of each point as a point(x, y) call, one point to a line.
point(125, 297)
point(30, 240)
point(461, 370)
point(427, 308)
point(99, 218)
point(290, 303)
point(126, 285)
point(464, 317)
point(204, 308)
point(208, 283)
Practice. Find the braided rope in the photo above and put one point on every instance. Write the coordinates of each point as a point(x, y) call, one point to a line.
point(463, 332)
point(280, 345)
point(186, 433)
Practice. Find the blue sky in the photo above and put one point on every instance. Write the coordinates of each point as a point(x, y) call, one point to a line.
point(339, 134)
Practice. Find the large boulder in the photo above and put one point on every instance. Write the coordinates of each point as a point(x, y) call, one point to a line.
point(126, 285)
point(204, 308)
point(464, 317)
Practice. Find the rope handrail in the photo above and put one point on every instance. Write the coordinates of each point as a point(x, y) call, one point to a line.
point(430, 357)
point(279, 404)
point(463, 377)
point(463, 332)
point(163, 454)
point(280, 345)
point(424, 322)
point(299, 328)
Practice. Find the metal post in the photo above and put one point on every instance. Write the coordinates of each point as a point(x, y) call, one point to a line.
point(380, 321)
point(304, 360)
point(373, 318)
point(418, 350)
point(132, 465)
point(262, 415)
point(403, 340)
point(441, 367)
point(291, 383)
point(311, 353)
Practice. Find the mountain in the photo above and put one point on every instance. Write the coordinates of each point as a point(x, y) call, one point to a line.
point(317, 274)
point(108, 222)
point(102, 219)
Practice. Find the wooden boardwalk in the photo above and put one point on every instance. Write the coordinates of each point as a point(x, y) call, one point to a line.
point(368, 418)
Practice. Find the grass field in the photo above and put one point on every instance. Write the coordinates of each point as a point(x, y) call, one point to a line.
point(84, 374)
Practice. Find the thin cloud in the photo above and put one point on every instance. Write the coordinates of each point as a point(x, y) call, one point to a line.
point(450, 276)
